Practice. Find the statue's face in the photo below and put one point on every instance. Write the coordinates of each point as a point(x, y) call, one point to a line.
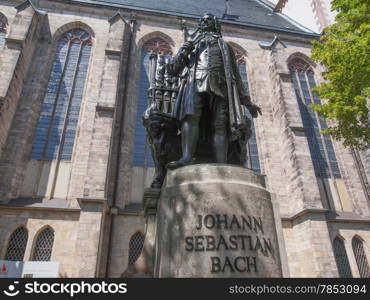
point(207, 23)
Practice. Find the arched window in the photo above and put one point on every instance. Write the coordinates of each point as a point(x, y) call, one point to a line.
point(44, 245)
point(17, 244)
point(142, 156)
point(135, 247)
point(56, 128)
point(49, 168)
point(362, 263)
point(321, 146)
point(253, 161)
point(2, 30)
point(341, 258)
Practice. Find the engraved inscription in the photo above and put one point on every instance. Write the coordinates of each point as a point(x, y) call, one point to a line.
point(227, 239)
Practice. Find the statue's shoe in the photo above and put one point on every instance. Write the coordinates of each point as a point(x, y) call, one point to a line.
point(178, 164)
point(157, 183)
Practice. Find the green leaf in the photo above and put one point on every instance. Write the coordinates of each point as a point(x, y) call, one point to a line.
point(344, 49)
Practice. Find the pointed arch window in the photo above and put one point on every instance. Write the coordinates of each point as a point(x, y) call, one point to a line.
point(321, 146)
point(341, 258)
point(253, 161)
point(135, 247)
point(17, 244)
point(2, 31)
point(56, 128)
point(361, 260)
point(44, 245)
point(142, 156)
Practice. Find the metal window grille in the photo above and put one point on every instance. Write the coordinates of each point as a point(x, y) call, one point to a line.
point(17, 244)
point(135, 247)
point(253, 161)
point(44, 245)
point(56, 128)
point(341, 258)
point(2, 33)
point(362, 263)
point(321, 146)
point(142, 155)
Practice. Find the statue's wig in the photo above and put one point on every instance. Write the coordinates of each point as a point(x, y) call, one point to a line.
point(217, 25)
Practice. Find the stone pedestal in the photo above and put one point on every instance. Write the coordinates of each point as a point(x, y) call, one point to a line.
point(215, 221)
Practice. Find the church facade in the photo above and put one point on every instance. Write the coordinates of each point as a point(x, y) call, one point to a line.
point(74, 160)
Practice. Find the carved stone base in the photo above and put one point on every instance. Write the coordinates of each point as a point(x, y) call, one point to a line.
point(216, 221)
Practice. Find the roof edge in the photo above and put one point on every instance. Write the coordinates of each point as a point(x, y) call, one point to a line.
point(183, 15)
point(284, 16)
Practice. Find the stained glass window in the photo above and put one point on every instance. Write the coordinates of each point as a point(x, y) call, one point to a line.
point(142, 154)
point(44, 245)
point(321, 146)
point(17, 244)
point(253, 161)
point(135, 247)
point(362, 263)
point(341, 258)
point(56, 128)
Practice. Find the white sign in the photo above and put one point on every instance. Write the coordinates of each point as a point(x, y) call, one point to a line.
point(34, 269)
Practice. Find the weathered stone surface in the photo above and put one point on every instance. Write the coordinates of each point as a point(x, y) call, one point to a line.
point(282, 145)
point(144, 265)
point(216, 221)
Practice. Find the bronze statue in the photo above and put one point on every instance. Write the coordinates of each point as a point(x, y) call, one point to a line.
point(211, 81)
point(209, 107)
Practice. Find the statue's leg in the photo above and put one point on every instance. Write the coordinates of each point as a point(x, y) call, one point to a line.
point(219, 123)
point(189, 136)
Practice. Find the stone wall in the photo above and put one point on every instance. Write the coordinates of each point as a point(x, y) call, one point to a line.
point(24, 25)
point(308, 247)
point(125, 225)
point(63, 223)
point(78, 234)
point(347, 231)
point(103, 150)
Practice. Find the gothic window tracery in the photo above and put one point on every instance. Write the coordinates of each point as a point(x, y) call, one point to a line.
point(341, 258)
point(252, 149)
point(321, 146)
point(56, 128)
point(44, 245)
point(17, 244)
point(135, 247)
point(361, 260)
point(142, 155)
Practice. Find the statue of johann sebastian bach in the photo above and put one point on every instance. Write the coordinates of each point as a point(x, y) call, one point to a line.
point(211, 89)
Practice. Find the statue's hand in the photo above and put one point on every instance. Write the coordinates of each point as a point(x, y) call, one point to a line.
point(187, 47)
point(254, 110)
